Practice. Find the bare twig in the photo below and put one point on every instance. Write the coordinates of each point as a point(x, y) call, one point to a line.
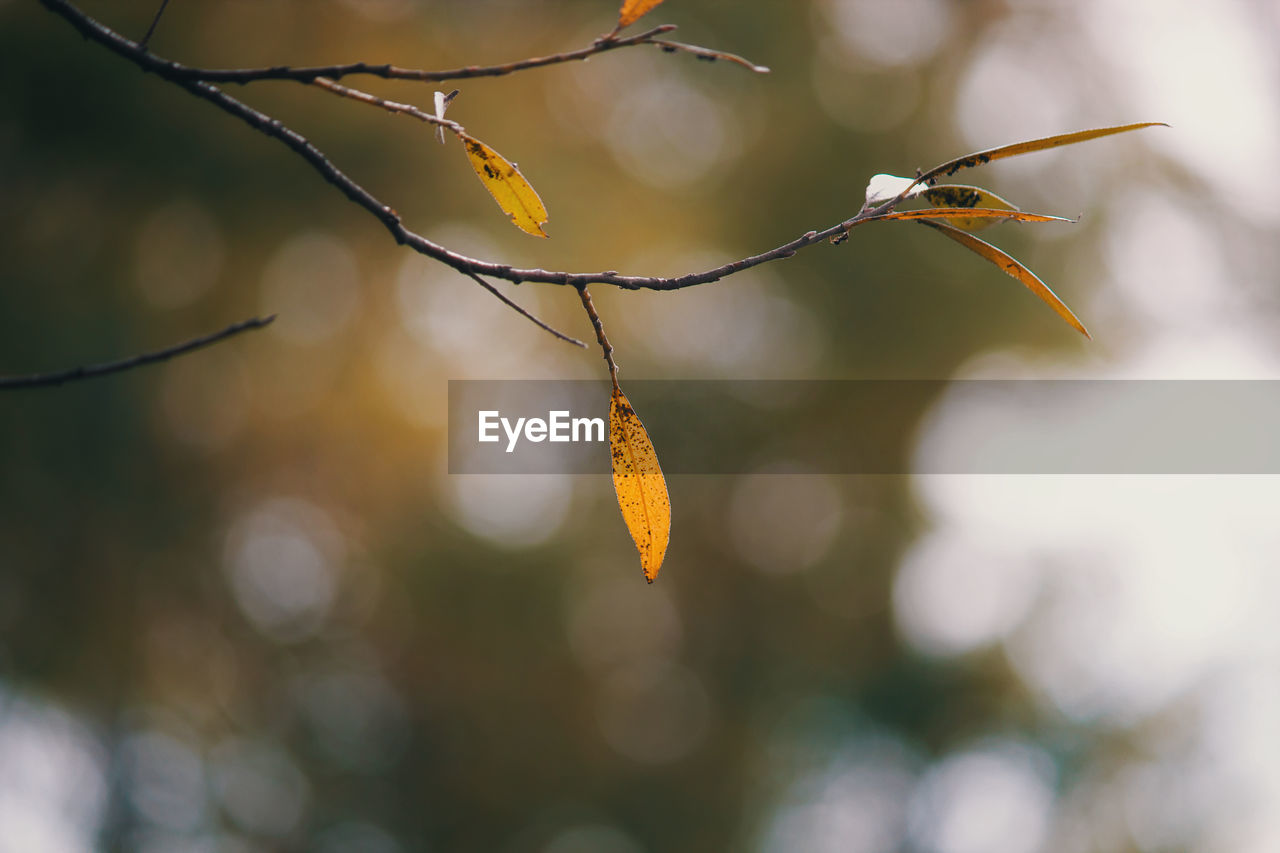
point(605, 346)
point(154, 22)
point(708, 54)
point(177, 70)
point(48, 380)
point(390, 106)
point(522, 312)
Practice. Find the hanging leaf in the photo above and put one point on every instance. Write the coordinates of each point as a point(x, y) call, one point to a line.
point(638, 481)
point(515, 195)
point(969, 161)
point(959, 195)
point(1012, 268)
point(634, 10)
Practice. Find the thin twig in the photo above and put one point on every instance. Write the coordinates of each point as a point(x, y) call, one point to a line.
point(392, 72)
point(390, 106)
point(522, 312)
point(154, 21)
point(48, 380)
point(605, 346)
point(709, 55)
point(177, 70)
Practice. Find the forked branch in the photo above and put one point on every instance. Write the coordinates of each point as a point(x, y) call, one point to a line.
point(165, 69)
point(197, 82)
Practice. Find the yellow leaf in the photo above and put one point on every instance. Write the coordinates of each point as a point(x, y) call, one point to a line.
point(638, 481)
point(634, 10)
point(1011, 268)
point(515, 195)
point(969, 161)
point(881, 189)
point(959, 195)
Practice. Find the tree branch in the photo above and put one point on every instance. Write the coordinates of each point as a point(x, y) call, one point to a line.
point(505, 301)
point(48, 380)
point(122, 46)
point(177, 70)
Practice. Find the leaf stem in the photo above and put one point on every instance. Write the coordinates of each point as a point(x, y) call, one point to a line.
point(605, 346)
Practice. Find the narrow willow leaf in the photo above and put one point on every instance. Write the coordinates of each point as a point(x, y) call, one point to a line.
point(969, 161)
point(1011, 268)
point(634, 10)
point(638, 481)
point(515, 195)
point(965, 214)
point(960, 195)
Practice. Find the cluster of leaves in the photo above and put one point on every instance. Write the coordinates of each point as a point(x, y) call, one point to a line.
point(955, 210)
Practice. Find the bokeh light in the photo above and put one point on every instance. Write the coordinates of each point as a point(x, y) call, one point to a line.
point(245, 607)
point(994, 798)
point(53, 785)
point(180, 254)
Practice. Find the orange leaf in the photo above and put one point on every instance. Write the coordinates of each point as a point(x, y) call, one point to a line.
point(960, 195)
point(963, 214)
point(876, 192)
point(634, 10)
point(1012, 268)
point(640, 486)
point(970, 160)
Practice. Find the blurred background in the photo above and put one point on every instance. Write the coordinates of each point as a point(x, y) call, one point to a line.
point(243, 607)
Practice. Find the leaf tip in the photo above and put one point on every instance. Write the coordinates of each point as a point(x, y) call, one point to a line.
point(633, 10)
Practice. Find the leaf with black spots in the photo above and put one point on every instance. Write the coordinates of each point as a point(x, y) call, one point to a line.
point(639, 484)
point(513, 193)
